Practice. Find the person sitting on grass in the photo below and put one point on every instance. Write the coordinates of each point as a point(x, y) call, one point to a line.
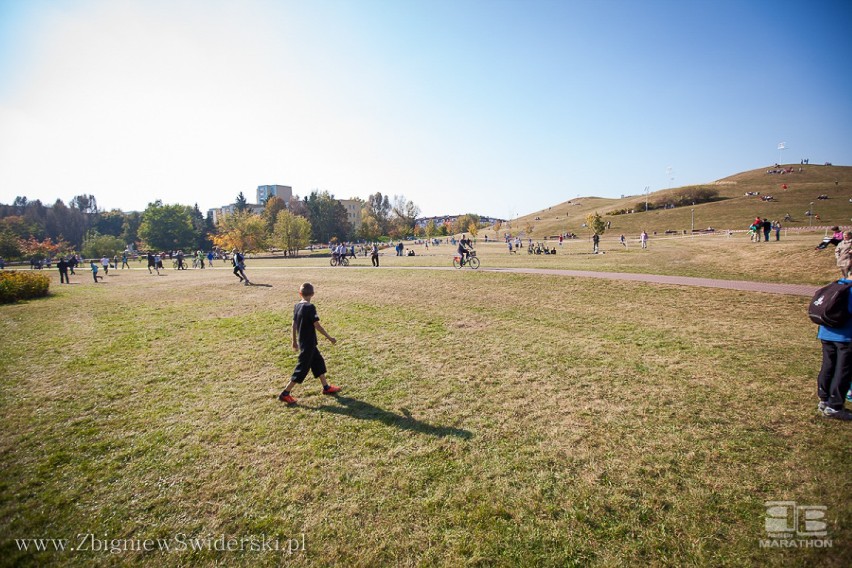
point(305, 327)
point(836, 237)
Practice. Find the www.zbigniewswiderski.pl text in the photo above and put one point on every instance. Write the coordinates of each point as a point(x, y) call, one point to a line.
point(90, 542)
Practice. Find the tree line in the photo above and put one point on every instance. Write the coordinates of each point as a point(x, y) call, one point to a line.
point(31, 229)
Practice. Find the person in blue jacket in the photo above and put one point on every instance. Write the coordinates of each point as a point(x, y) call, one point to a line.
point(835, 376)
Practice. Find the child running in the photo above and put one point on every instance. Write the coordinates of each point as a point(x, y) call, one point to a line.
point(305, 327)
point(94, 266)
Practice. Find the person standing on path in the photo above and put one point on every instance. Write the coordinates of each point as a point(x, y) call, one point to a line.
point(843, 254)
point(767, 228)
point(596, 241)
point(124, 261)
point(374, 255)
point(105, 263)
point(643, 238)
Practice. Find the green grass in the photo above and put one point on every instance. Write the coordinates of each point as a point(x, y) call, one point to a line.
point(486, 419)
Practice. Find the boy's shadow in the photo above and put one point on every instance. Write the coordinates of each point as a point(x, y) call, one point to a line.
point(260, 285)
point(366, 411)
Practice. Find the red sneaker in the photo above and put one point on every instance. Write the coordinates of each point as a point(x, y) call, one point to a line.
point(288, 399)
point(331, 389)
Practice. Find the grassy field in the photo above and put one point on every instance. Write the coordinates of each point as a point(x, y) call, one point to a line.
point(486, 419)
point(792, 259)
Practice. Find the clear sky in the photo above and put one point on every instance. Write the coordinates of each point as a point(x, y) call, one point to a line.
point(499, 107)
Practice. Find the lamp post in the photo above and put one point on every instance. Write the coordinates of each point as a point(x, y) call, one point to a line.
point(647, 187)
point(693, 221)
point(811, 215)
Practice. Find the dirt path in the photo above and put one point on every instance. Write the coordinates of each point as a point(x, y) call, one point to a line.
point(767, 287)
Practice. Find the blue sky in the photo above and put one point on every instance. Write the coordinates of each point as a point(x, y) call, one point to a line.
point(499, 107)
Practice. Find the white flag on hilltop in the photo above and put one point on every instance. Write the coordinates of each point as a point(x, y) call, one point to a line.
point(782, 145)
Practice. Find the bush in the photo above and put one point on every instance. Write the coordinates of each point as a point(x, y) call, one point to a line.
point(16, 286)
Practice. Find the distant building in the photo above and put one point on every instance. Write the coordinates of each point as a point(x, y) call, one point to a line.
point(220, 212)
point(353, 211)
point(264, 192)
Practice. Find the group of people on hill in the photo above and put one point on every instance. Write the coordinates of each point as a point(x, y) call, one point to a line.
point(766, 227)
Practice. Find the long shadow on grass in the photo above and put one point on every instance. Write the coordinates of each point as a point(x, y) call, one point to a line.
point(365, 411)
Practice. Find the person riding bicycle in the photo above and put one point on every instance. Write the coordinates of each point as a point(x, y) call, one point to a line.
point(465, 246)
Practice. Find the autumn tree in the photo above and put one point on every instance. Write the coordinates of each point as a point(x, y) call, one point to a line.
point(596, 223)
point(291, 232)
point(241, 230)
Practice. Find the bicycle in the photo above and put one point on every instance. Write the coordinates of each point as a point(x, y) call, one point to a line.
point(471, 262)
point(342, 261)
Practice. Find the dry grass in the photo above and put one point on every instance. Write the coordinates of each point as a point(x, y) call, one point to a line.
point(486, 419)
point(735, 212)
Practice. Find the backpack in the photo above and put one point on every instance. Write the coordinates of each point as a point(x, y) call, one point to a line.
point(830, 305)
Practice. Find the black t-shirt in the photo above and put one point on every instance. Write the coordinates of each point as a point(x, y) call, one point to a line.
point(304, 316)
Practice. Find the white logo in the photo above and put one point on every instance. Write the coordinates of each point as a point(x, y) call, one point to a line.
point(789, 525)
point(818, 301)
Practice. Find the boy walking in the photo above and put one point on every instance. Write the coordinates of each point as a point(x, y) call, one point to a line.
point(305, 327)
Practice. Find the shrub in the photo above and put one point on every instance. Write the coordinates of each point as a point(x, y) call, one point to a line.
point(16, 286)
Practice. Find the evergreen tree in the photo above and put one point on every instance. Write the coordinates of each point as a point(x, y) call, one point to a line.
point(240, 204)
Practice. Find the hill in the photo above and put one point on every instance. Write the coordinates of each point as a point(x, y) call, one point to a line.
point(740, 200)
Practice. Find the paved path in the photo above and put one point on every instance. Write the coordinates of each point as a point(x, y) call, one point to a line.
point(767, 287)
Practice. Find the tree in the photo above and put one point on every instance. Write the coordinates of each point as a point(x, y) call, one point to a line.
point(39, 249)
point(271, 208)
point(497, 226)
point(405, 214)
point(167, 227)
point(109, 223)
point(328, 217)
point(473, 229)
point(68, 223)
point(240, 204)
point(9, 245)
point(241, 230)
point(378, 207)
point(463, 222)
point(431, 229)
point(292, 232)
point(369, 229)
point(596, 223)
point(85, 203)
point(201, 229)
point(130, 227)
point(97, 246)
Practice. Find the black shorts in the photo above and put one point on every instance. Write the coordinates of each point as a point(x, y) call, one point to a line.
point(310, 359)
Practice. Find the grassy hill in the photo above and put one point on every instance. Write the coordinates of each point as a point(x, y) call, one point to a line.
point(735, 209)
